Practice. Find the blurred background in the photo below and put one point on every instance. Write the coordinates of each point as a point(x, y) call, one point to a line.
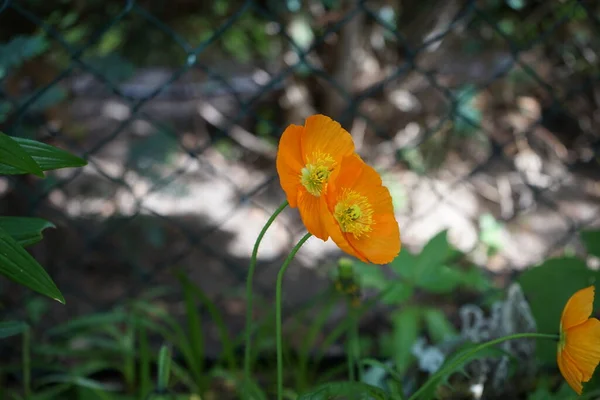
point(481, 115)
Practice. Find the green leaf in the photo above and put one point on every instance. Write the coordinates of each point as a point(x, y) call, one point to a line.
point(516, 4)
point(26, 231)
point(428, 270)
point(164, 368)
point(456, 362)
point(547, 288)
point(19, 49)
point(18, 265)
point(370, 275)
point(345, 391)
point(405, 265)
point(438, 326)
point(441, 279)
point(13, 156)
point(47, 157)
point(406, 324)
point(12, 328)
point(591, 239)
point(94, 321)
point(400, 293)
point(78, 381)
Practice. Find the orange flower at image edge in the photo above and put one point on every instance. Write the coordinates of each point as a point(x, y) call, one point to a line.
point(579, 346)
point(306, 158)
point(361, 219)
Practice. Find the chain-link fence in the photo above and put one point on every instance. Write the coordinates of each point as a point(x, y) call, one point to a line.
point(481, 115)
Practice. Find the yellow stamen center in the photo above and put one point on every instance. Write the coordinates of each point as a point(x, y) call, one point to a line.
point(315, 174)
point(354, 213)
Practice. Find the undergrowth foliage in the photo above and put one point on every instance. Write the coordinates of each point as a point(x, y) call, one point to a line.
point(516, 88)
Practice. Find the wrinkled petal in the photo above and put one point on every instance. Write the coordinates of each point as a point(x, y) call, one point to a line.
point(312, 211)
point(583, 346)
point(578, 309)
point(382, 245)
point(290, 162)
point(324, 135)
point(569, 371)
point(340, 238)
point(345, 176)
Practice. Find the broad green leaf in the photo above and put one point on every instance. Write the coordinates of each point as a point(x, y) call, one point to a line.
point(46, 156)
point(12, 328)
point(438, 326)
point(12, 156)
point(547, 288)
point(400, 293)
point(17, 265)
point(475, 278)
point(370, 275)
point(345, 391)
point(432, 257)
point(441, 279)
point(405, 264)
point(26, 231)
point(406, 324)
point(591, 239)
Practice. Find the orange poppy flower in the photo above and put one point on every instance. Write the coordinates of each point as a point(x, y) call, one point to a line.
point(361, 220)
point(579, 345)
point(306, 158)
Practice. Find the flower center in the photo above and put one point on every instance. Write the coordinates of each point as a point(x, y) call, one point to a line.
point(354, 213)
point(315, 174)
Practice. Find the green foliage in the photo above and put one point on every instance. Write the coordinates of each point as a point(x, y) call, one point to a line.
point(345, 391)
point(12, 328)
point(43, 156)
point(14, 157)
point(20, 49)
point(25, 231)
point(435, 270)
point(17, 265)
point(456, 363)
point(591, 239)
point(406, 330)
point(23, 156)
point(547, 288)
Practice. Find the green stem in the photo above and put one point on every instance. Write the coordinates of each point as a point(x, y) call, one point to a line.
point(249, 280)
point(356, 345)
point(350, 359)
point(27, 362)
point(278, 338)
point(353, 350)
point(459, 360)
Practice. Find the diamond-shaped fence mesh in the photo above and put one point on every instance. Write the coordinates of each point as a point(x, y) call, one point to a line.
point(474, 111)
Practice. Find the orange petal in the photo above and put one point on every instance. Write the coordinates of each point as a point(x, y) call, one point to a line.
point(313, 211)
point(340, 239)
point(324, 135)
point(578, 308)
point(349, 170)
point(289, 162)
point(583, 347)
point(382, 244)
point(569, 370)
